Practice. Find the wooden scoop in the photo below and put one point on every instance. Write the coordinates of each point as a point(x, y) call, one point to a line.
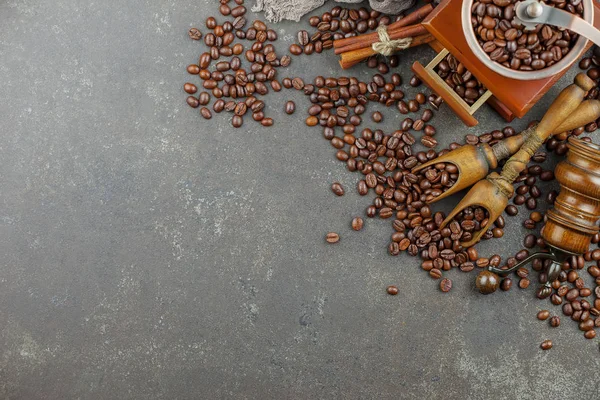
point(494, 192)
point(474, 162)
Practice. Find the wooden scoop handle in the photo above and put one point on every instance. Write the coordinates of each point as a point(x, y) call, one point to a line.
point(588, 111)
point(565, 103)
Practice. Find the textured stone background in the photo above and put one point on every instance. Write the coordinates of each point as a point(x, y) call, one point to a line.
point(148, 253)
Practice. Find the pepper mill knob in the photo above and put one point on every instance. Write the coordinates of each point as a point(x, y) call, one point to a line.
point(487, 282)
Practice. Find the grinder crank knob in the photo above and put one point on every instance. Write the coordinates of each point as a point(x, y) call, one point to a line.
point(487, 282)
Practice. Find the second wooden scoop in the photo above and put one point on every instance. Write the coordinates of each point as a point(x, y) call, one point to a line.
point(474, 162)
point(494, 192)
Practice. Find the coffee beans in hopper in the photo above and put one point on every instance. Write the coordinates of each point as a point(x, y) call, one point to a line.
point(508, 44)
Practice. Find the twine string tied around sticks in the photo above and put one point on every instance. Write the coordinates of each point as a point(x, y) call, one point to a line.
point(386, 46)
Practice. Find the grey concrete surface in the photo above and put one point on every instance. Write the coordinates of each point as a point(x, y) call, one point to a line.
point(147, 253)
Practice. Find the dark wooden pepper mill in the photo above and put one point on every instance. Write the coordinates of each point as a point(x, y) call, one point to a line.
point(572, 221)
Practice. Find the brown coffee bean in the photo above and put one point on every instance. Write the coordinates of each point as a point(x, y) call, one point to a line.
point(590, 334)
point(190, 88)
point(337, 188)
point(205, 112)
point(303, 38)
point(266, 122)
point(312, 121)
point(357, 223)
point(543, 315)
point(362, 188)
point(290, 107)
point(192, 102)
point(392, 290)
point(506, 284)
point(428, 141)
point(295, 49)
point(445, 285)
point(195, 34)
point(511, 210)
point(586, 325)
point(435, 273)
point(298, 83)
point(237, 121)
point(332, 237)
point(546, 345)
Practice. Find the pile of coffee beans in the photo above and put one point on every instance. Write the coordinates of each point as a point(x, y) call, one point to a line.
point(460, 79)
point(439, 178)
point(509, 44)
point(340, 23)
point(224, 78)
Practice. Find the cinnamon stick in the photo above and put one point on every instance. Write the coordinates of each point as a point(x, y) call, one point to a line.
point(354, 57)
point(408, 31)
point(396, 34)
point(370, 38)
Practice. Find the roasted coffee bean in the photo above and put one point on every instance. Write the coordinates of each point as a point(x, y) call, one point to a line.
point(546, 345)
point(392, 290)
point(357, 223)
point(195, 34)
point(190, 88)
point(506, 284)
point(511, 210)
point(524, 283)
point(295, 49)
point(205, 112)
point(237, 121)
point(445, 285)
point(337, 188)
point(428, 141)
point(267, 122)
point(543, 315)
point(332, 237)
point(298, 83)
point(303, 38)
point(193, 102)
point(414, 81)
point(290, 107)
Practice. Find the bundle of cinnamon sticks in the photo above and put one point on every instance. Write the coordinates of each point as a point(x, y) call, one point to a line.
point(358, 48)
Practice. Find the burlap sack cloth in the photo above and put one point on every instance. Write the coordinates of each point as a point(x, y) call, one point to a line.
point(276, 10)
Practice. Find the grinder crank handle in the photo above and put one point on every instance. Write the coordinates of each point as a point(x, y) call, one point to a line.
point(565, 103)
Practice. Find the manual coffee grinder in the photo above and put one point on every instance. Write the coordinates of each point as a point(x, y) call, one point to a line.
point(573, 220)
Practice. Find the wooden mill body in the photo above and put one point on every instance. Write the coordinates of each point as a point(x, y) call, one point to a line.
point(509, 97)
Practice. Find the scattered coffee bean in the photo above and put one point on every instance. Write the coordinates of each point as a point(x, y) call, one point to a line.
point(290, 107)
point(195, 34)
point(543, 315)
point(445, 285)
point(357, 223)
point(546, 345)
point(332, 237)
point(337, 188)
